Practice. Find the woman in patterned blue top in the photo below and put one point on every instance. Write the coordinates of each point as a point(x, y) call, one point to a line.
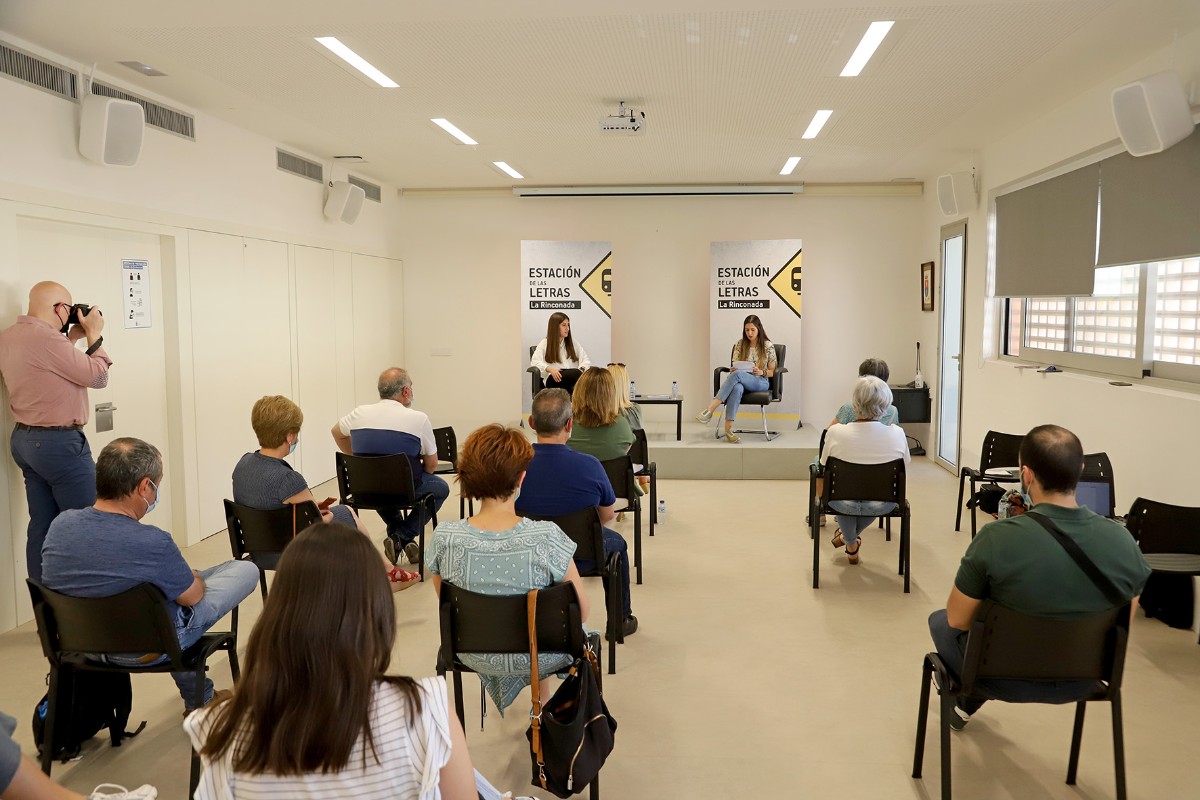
point(501, 553)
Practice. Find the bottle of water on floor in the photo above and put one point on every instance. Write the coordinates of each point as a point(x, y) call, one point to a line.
point(662, 510)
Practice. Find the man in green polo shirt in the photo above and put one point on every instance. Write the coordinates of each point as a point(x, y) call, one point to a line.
point(1018, 564)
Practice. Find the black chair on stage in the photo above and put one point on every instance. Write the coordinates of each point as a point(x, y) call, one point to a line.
point(1168, 536)
point(584, 529)
point(74, 630)
point(536, 384)
point(624, 484)
point(385, 482)
point(773, 394)
point(845, 480)
point(1004, 644)
point(997, 465)
point(447, 453)
point(639, 452)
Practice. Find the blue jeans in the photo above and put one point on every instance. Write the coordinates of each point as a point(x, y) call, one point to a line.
point(225, 586)
point(59, 474)
point(404, 531)
point(951, 645)
point(736, 384)
point(614, 543)
point(857, 516)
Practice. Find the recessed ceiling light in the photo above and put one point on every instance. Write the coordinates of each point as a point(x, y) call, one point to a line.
point(508, 170)
point(866, 47)
point(790, 165)
point(358, 62)
point(818, 121)
point(453, 130)
point(143, 69)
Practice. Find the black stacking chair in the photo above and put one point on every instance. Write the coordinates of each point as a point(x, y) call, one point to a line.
point(1097, 480)
point(1000, 452)
point(447, 453)
point(761, 399)
point(260, 536)
point(624, 484)
point(385, 482)
point(73, 630)
point(639, 453)
point(845, 480)
point(584, 529)
point(1169, 536)
point(1006, 645)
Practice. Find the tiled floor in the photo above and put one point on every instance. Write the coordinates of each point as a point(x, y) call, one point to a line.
point(745, 682)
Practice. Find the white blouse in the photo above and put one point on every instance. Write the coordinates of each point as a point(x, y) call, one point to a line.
point(562, 362)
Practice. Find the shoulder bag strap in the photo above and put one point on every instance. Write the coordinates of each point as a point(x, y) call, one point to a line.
point(294, 531)
point(535, 716)
point(1102, 581)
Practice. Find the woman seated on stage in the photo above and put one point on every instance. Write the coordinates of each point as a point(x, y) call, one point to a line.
point(753, 347)
point(866, 440)
point(600, 429)
point(559, 358)
point(263, 480)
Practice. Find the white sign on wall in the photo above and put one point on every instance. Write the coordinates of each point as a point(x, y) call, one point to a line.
point(576, 279)
point(760, 277)
point(135, 291)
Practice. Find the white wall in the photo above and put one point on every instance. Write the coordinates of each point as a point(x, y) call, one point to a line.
point(1149, 432)
point(462, 263)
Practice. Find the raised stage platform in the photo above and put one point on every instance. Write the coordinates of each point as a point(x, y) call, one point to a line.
point(699, 455)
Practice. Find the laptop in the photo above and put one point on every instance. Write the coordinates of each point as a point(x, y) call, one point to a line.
point(1096, 496)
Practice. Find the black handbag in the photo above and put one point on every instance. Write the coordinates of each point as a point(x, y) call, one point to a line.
point(571, 736)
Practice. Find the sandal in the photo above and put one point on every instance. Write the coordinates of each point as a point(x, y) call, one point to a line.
point(402, 580)
point(837, 540)
point(853, 557)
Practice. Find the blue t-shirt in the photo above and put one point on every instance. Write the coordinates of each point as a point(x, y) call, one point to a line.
point(91, 553)
point(560, 481)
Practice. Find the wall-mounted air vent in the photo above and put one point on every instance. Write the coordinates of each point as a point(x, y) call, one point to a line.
point(38, 72)
point(290, 162)
point(157, 115)
point(373, 192)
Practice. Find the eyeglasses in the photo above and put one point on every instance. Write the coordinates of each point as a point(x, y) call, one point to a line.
point(617, 364)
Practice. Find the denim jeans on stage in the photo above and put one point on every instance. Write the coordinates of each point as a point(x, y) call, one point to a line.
point(59, 475)
point(951, 645)
point(736, 384)
point(403, 531)
point(857, 516)
point(225, 585)
point(613, 543)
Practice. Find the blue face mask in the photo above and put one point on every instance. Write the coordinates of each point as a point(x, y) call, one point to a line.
point(293, 449)
point(151, 506)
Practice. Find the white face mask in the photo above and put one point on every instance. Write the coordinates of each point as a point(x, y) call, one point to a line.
point(151, 506)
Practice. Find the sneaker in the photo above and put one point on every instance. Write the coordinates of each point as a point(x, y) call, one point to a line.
point(218, 695)
point(732, 437)
point(412, 552)
point(959, 719)
point(389, 550)
point(111, 791)
point(704, 416)
point(808, 520)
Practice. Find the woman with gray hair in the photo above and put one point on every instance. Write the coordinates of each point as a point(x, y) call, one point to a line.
point(866, 440)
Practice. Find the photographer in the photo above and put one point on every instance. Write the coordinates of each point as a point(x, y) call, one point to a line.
point(47, 379)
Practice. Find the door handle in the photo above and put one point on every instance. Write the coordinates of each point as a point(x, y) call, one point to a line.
point(957, 358)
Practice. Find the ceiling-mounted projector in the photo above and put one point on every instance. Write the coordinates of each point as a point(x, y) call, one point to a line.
point(625, 121)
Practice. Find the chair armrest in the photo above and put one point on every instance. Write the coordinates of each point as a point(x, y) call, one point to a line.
point(534, 370)
point(717, 378)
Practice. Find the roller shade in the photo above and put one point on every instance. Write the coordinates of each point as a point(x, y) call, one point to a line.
point(1046, 237)
point(1150, 206)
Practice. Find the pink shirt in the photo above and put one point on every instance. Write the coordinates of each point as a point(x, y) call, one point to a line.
point(47, 375)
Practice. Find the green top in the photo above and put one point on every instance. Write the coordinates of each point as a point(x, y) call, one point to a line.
point(604, 442)
point(1018, 564)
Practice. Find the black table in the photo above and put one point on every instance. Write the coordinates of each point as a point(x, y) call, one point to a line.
point(665, 400)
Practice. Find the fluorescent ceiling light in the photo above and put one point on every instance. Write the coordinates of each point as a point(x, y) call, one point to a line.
point(358, 62)
point(508, 170)
point(818, 121)
point(867, 47)
point(451, 129)
point(790, 165)
point(659, 191)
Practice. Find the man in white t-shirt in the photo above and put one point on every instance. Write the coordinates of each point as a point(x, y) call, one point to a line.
point(390, 427)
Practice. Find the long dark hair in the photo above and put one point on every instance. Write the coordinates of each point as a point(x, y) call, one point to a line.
point(322, 643)
point(554, 343)
point(743, 349)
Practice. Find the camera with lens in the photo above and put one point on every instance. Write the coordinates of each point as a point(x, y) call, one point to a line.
point(78, 310)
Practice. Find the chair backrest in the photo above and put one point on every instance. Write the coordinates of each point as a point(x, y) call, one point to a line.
point(777, 378)
point(536, 384)
point(1006, 644)
point(584, 529)
point(1163, 528)
point(639, 451)
point(134, 621)
point(620, 474)
point(447, 445)
point(1000, 450)
point(845, 480)
point(481, 623)
point(375, 481)
point(1097, 486)
point(264, 534)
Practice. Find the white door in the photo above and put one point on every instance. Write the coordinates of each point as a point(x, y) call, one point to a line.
point(954, 259)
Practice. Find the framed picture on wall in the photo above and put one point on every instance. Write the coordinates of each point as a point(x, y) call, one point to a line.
point(927, 286)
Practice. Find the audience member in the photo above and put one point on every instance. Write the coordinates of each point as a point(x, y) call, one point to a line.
point(630, 410)
point(501, 553)
point(866, 440)
point(599, 428)
point(561, 481)
point(264, 480)
point(106, 549)
point(48, 378)
point(1018, 564)
point(846, 413)
point(391, 427)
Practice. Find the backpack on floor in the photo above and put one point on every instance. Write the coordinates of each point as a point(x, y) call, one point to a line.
point(90, 702)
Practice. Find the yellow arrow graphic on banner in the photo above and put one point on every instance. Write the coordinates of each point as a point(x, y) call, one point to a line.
point(597, 284)
point(786, 283)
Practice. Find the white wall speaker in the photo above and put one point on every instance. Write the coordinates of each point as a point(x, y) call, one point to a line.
point(111, 130)
point(345, 201)
point(956, 193)
point(1152, 113)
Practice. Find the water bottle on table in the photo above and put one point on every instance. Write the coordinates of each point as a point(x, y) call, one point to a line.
point(632, 388)
point(674, 390)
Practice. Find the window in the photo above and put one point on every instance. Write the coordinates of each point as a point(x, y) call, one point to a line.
point(1177, 312)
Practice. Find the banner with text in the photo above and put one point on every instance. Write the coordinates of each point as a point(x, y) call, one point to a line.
point(760, 277)
point(576, 279)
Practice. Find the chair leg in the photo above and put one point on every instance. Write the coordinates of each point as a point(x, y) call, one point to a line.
point(458, 699)
point(1118, 725)
point(52, 706)
point(947, 708)
point(615, 602)
point(462, 507)
point(262, 581)
point(637, 539)
point(958, 511)
point(814, 520)
point(653, 502)
point(482, 704)
point(762, 411)
point(906, 549)
point(887, 523)
point(194, 777)
point(974, 508)
point(235, 669)
point(1076, 741)
point(922, 719)
point(595, 787)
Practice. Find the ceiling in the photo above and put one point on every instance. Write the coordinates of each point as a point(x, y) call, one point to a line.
point(727, 87)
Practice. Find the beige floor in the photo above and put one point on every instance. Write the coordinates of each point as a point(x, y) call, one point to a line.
point(745, 682)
